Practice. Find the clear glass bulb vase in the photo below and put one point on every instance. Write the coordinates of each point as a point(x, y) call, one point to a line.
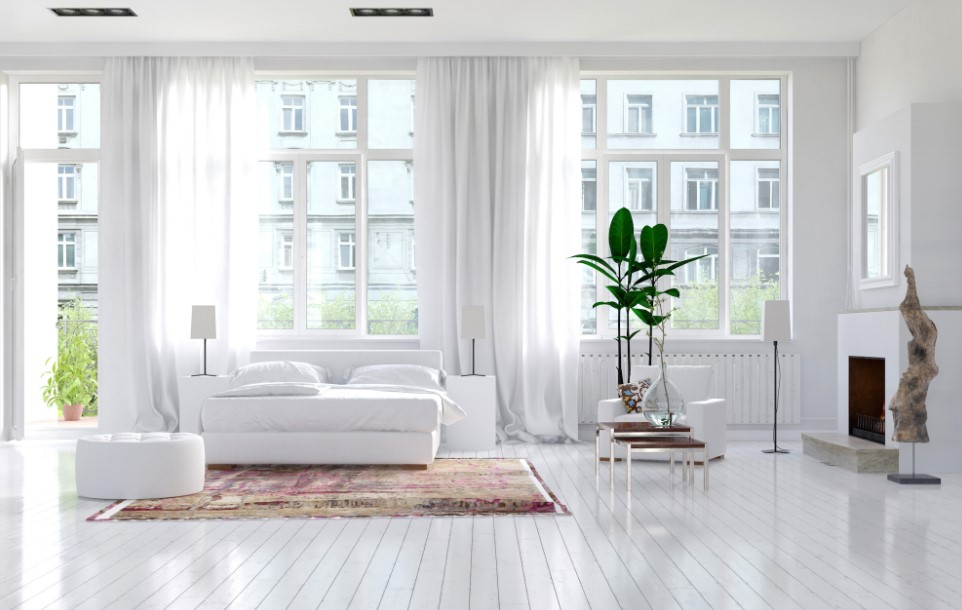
point(663, 404)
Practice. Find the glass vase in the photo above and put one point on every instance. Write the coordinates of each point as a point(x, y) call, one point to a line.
point(663, 404)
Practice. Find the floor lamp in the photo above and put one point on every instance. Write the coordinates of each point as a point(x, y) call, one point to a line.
point(776, 326)
point(203, 325)
point(472, 327)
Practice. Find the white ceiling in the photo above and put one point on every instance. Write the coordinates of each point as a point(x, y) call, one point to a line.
point(454, 21)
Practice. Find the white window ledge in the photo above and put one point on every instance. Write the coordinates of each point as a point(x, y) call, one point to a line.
point(700, 134)
point(293, 132)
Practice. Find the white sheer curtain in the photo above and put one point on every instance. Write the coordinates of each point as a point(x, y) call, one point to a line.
point(178, 227)
point(497, 186)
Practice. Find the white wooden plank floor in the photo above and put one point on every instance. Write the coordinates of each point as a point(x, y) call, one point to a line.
point(773, 532)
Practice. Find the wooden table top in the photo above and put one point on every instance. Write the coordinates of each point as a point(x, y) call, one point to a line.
point(664, 442)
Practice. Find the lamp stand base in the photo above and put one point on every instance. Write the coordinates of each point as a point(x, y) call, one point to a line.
point(777, 450)
point(203, 375)
point(473, 375)
point(915, 479)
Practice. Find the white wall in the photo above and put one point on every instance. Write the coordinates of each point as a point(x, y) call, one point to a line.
point(818, 144)
point(911, 58)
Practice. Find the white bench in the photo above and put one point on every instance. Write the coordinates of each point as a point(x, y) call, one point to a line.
point(130, 466)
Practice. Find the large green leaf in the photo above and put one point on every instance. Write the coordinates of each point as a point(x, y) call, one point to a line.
point(600, 270)
point(677, 264)
point(621, 232)
point(654, 240)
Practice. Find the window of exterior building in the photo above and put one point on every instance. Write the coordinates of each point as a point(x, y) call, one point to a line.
point(701, 114)
point(66, 250)
point(286, 193)
point(68, 183)
point(638, 117)
point(589, 110)
point(768, 115)
point(767, 188)
point(287, 251)
point(292, 113)
point(701, 189)
point(345, 251)
point(638, 189)
point(589, 189)
point(347, 113)
point(346, 181)
point(715, 179)
point(66, 105)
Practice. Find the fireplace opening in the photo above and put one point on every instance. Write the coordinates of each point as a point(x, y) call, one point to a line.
point(866, 398)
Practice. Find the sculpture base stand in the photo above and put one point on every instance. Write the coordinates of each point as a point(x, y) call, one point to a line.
point(914, 479)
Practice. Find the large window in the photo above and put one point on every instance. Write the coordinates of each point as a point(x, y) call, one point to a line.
point(67, 183)
point(66, 250)
point(66, 105)
point(292, 113)
point(348, 229)
point(705, 156)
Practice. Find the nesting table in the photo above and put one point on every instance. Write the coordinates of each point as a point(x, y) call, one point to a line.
point(642, 436)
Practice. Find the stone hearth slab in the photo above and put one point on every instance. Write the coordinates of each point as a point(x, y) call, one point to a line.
point(850, 453)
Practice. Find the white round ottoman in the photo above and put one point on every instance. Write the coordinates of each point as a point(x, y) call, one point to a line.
point(130, 466)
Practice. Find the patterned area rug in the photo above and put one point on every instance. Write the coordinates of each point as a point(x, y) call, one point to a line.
point(447, 487)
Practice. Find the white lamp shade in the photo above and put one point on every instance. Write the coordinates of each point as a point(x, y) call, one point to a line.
point(472, 322)
point(777, 321)
point(203, 322)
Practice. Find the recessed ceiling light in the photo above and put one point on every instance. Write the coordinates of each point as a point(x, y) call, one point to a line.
point(93, 12)
point(392, 12)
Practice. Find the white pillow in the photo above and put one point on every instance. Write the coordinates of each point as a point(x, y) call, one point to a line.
point(397, 374)
point(272, 388)
point(278, 371)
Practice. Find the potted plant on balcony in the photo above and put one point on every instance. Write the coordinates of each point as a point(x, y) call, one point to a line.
point(71, 377)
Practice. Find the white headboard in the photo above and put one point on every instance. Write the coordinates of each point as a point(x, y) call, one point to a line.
point(339, 361)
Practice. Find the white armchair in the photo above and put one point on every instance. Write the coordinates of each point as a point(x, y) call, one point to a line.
point(706, 415)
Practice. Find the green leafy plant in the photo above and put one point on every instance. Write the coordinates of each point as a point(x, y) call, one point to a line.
point(71, 377)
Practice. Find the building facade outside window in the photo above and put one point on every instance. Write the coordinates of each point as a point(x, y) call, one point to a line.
point(721, 193)
point(351, 220)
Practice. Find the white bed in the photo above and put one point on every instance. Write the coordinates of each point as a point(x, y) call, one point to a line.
point(341, 425)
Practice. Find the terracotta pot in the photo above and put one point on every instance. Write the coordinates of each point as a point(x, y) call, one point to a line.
point(72, 412)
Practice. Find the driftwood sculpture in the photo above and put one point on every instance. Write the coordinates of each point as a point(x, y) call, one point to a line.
point(908, 404)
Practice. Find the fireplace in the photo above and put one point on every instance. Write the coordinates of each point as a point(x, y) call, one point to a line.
point(866, 398)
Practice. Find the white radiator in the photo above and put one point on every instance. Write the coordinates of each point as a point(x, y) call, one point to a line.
point(745, 380)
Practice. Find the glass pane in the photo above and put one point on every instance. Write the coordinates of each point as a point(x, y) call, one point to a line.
point(65, 115)
point(307, 113)
point(60, 284)
point(392, 297)
point(875, 205)
point(589, 244)
point(694, 232)
point(331, 245)
point(390, 108)
point(589, 113)
point(755, 114)
point(662, 114)
point(632, 185)
point(755, 227)
point(275, 305)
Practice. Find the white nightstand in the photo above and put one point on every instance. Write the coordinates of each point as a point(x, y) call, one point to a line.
point(478, 397)
point(192, 392)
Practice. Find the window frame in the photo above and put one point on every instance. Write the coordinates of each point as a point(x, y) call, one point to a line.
point(62, 248)
point(360, 156)
point(352, 112)
point(715, 115)
point(593, 107)
point(287, 178)
point(641, 191)
point(713, 203)
point(724, 154)
point(773, 192)
point(351, 197)
point(339, 243)
point(292, 128)
point(63, 113)
point(62, 181)
point(769, 107)
point(285, 250)
point(628, 106)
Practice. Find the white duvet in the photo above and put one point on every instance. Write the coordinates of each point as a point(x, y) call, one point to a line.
point(300, 407)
